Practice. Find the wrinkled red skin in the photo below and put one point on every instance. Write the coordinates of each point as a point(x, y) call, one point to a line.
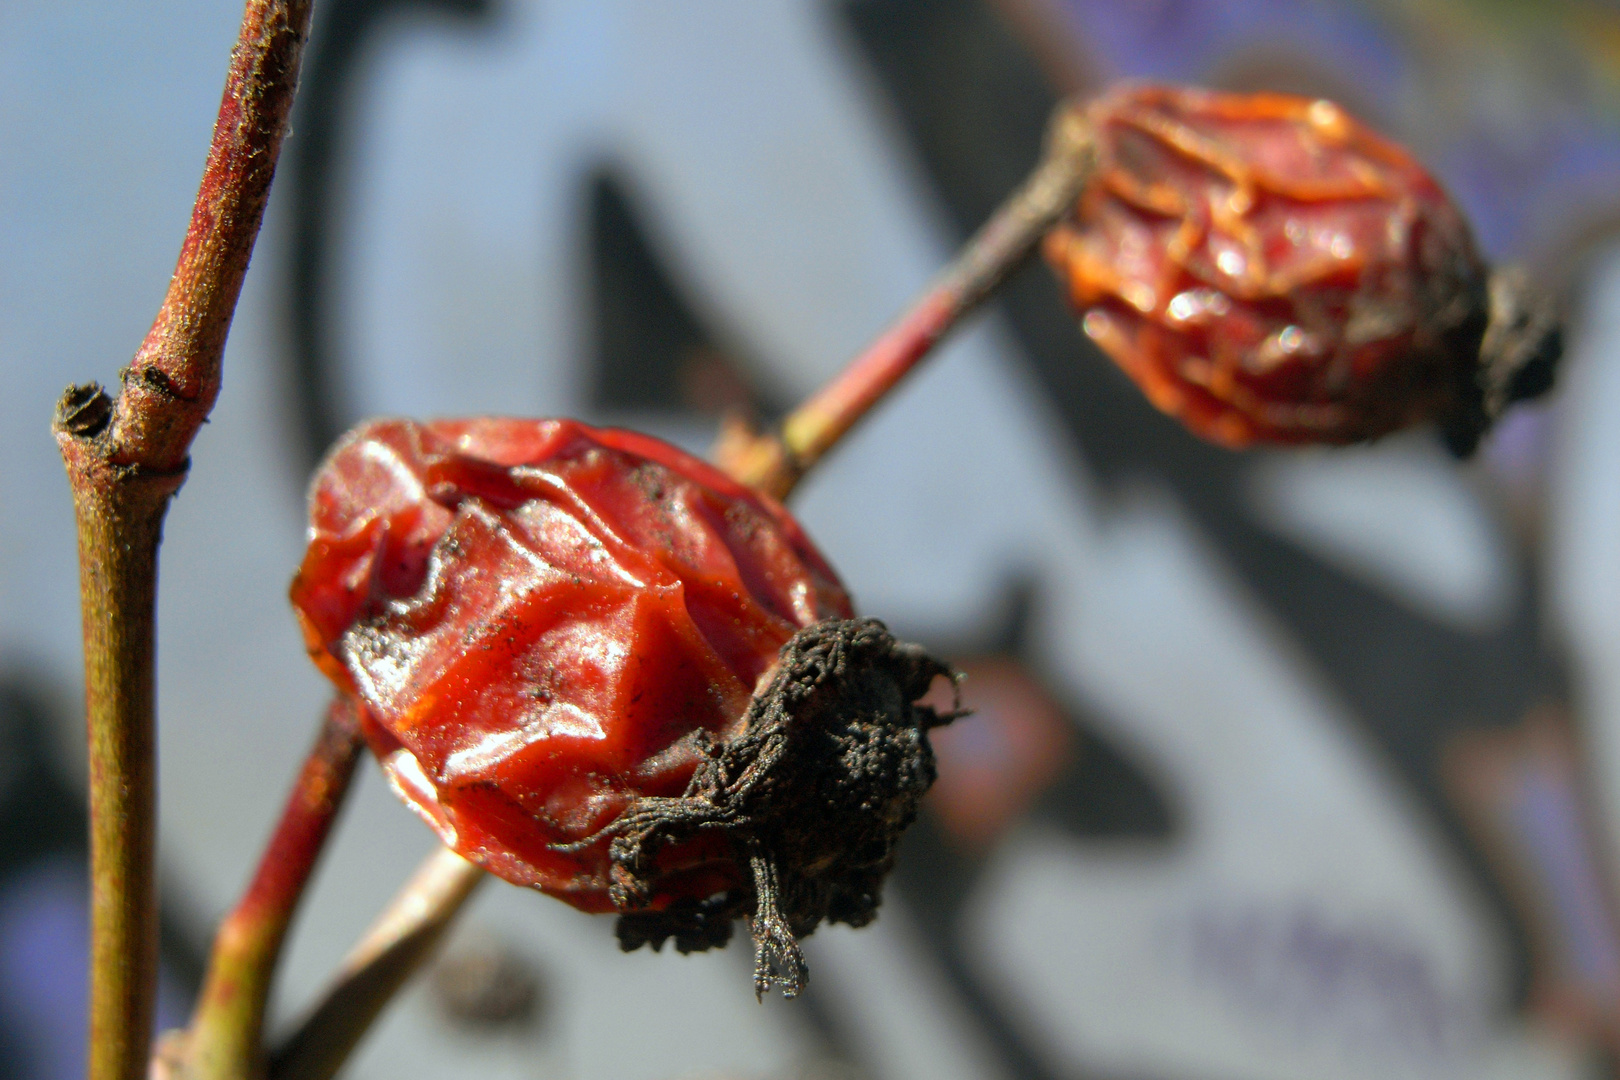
point(1269, 270)
point(538, 616)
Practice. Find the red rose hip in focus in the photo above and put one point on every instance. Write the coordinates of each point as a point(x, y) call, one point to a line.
point(599, 667)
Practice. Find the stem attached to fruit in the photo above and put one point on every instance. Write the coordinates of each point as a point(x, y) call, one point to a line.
point(225, 1040)
point(396, 945)
point(774, 463)
point(125, 460)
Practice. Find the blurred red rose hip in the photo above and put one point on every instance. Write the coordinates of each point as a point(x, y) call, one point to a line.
point(1267, 269)
point(599, 667)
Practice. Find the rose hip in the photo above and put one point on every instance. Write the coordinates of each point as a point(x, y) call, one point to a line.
point(1267, 269)
point(597, 666)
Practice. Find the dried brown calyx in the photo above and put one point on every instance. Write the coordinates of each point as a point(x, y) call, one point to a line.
point(812, 796)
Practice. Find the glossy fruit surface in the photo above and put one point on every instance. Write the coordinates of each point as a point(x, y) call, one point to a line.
point(545, 622)
point(1267, 269)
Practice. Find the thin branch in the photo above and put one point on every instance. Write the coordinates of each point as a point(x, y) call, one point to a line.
point(225, 1040)
point(125, 460)
point(397, 944)
point(775, 463)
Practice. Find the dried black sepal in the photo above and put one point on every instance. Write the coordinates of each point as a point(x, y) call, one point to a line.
point(695, 925)
point(813, 794)
point(1520, 344)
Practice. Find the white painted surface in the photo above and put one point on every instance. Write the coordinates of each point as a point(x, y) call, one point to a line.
point(1402, 516)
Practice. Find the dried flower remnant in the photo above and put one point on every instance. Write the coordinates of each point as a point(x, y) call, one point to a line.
point(1267, 269)
point(599, 667)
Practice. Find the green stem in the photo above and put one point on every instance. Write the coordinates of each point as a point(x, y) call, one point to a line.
point(118, 539)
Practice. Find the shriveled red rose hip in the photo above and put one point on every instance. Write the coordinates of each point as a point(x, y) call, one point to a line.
point(1267, 269)
point(599, 667)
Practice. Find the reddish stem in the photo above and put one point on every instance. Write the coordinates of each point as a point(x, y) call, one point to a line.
point(815, 426)
point(171, 385)
point(225, 1038)
point(775, 463)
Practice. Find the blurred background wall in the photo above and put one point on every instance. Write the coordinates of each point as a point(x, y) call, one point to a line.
point(1284, 764)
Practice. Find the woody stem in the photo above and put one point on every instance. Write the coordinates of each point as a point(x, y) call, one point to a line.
point(774, 463)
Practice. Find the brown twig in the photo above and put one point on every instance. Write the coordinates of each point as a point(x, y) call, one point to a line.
point(396, 945)
point(775, 463)
point(225, 1040)
point(125, 460)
